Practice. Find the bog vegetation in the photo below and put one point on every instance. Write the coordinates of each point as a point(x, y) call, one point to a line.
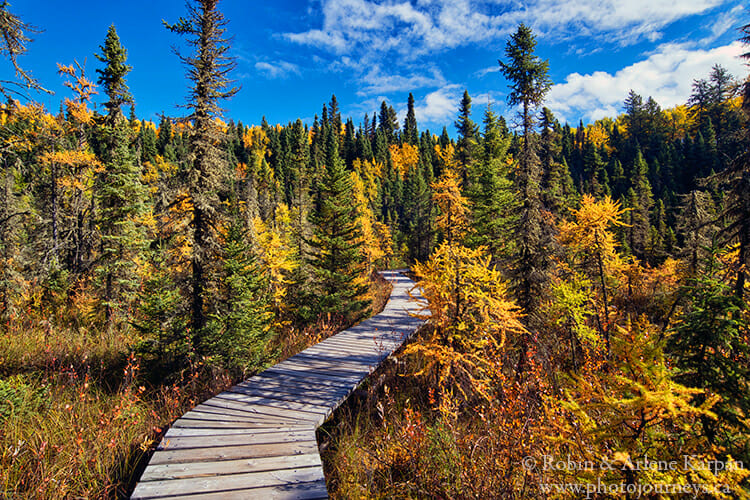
point(587, 285)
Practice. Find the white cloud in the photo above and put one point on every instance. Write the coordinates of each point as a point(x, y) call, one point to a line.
point(277, 69)
point(439, 107)
point(409, 30)
point(376, 81)
point(363, 34)
point(666, 75)
point(383, 46)
point(486, 71)
point(618, 21)
point(723, 23)
point(412, 29)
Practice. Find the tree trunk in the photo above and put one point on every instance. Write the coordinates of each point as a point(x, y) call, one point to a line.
point(197, 264)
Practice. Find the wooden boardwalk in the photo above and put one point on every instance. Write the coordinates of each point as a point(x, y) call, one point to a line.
point(257, 440)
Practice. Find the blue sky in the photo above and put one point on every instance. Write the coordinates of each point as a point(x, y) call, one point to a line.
point(293, 54)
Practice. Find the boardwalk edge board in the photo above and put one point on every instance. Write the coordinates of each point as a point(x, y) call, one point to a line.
point(257, 439)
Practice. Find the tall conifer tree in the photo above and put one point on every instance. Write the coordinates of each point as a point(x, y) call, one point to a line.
point(529, 83)
point(335, 249)
point(119, 191)
point(411, 134)
point(467, 135)
point(491, 193)
point(208, 71)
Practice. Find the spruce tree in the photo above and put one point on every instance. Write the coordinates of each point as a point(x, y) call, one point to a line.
point(444, 138)
point(165, 140)
point(711, 352)
point(237, 332)
point(112, 77)
point(411, 134)
point(119, 191)
point(147, 140)
point(388, 122)
point(350, 144)
point(595, 174)
point(427, 155)
point(493, 203)
point(467, 135)
point(334, 116)
point(417, 221)
point(529, 83)
point(300, 175)
point(391, 194)
point(161, 319)
point(557, 185)
point(335, 249)
point(640, 201)
point(208, 70)
point(363, 144)
point(736, 183)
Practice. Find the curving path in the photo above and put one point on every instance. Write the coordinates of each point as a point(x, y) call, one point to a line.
point(257, 440)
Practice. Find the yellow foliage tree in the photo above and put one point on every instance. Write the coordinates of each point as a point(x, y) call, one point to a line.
point(73, 169)
point(626, 425)
point(680, 122)
point(278, 256)
point(404, 157)
point(82, 88)
point(470, 315)
point(591, 246)
point(255, 138)
point(447, 157)
point(374, 245)
point(453, 220)
point(599, 136)
point(370, 172)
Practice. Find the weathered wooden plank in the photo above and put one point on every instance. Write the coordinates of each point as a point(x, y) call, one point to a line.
point(271, 379)
point(367, 362)
point(271, 376)
point(190, 442)
point(346, 352)
point(202, 469)
point(185, 431)
point(222, 402)
point(215, 424)
point(227, 483)
point(282, 394)
point(297, 491)
point(372, 357)
point(259, 407)
point(352, 341)
point(209, 408)
point(307, 374)
point(217, 453)
point(324, 369)
point(354, 347)
point(313, 391)
point(196, 414)
point(357, 347)
point(317, 354)
point(330, 366)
